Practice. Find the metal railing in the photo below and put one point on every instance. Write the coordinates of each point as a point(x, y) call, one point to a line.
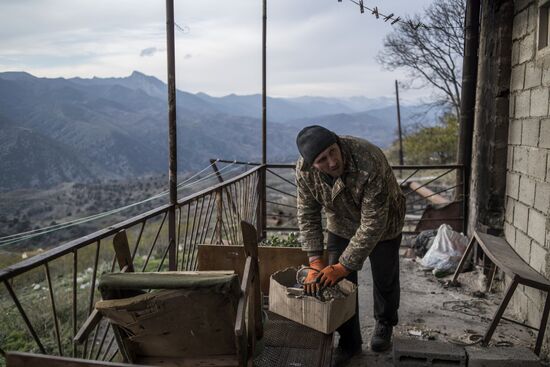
point(47, 298)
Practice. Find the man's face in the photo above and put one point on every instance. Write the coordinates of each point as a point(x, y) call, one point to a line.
point(330, 161)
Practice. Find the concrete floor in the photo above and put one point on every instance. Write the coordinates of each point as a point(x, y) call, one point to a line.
point(429, 310)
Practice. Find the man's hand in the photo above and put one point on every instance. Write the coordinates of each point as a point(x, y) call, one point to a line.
point(311, 285)
point(332, 274)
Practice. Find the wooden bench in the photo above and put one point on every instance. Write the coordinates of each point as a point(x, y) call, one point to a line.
point(503, 256)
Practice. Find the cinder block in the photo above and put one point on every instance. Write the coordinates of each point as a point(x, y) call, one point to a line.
point(530, 132)
point(509, 233)
point(542, 197)
point(520, 24)
point(537, 163)
point(539, 102)
point(501, 357)
point(527, 48)
point(527, 190)
point(521, 158)
point(514, 133)
point(523, 100)
point(512, 184)
point(517, 78)
point(509, 211)
point(515, 53)
point(412, 352)
point(533, 75)
point(533, 15)
point(537, 226)
point(544, 140)
point(523, 244)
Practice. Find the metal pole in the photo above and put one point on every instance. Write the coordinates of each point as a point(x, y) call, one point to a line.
point(399, 125)
point(171, 64)
point(264, 122)
point(467, 102)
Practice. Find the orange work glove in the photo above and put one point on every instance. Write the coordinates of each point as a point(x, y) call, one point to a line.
point(332, 274)
point(311, 285)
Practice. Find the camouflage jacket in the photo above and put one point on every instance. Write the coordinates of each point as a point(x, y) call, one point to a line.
point(365, 204)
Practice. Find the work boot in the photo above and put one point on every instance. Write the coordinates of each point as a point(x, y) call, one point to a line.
point(381, 338)
point(342, 356)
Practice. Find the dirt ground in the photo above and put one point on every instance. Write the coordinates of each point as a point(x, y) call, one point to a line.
point(431, 311)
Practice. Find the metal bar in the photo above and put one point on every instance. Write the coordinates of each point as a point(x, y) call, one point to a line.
point(163, 258)
point(282, 192)
point(226, 183)
point(543, 321)
point(186, 248)
point(74, 315)
point(283, 229)
point(435, 193)
point(432, 219)
point(56, 252)
point(138, 240)
point(24, 316)
point(519, 323)
point(407, 179)
point(178, 209)
point(172, 135)
point(209, 212)
point(109, 345)
point(113, 355)
point(281, 204)
point(282, 178)
point(216, 170)
point(399, 125)
point(228, 218)
point(154, 243)
point(264, 82)
point(429, 182)
point(219, 214)
point(54, 311)
point(92, 292)
point(499, 312)
point(94, 339)
point(236, 162)
point(102, 340)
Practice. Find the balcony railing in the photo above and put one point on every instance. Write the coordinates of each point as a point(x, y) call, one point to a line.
point(47, 298)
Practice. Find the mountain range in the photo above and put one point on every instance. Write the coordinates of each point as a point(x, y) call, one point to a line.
point(89, 130)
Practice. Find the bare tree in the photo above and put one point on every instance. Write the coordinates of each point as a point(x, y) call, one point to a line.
point(432, 52)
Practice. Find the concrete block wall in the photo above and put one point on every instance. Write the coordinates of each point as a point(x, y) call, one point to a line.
point(527, 222)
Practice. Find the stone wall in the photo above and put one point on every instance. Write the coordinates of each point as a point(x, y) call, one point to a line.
point(527, 219)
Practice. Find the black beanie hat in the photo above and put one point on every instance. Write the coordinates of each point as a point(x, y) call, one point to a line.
point(312, 140)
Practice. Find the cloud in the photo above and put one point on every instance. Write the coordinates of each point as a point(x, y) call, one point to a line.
point(313, 46)
point(149, 51)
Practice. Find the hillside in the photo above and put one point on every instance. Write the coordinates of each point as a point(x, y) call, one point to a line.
point(56, 131)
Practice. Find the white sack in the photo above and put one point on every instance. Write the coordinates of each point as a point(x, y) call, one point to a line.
point(447, 249)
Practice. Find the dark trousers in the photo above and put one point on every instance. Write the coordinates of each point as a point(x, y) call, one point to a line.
point(384, 260)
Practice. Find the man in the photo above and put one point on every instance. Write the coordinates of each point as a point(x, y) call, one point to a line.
point(353, 182)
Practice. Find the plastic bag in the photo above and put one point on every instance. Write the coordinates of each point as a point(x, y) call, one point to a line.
point(446, 251)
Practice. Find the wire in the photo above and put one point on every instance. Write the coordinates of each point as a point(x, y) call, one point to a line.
point(11, 239)
point(375, 12)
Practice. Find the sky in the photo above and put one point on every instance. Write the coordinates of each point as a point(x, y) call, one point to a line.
point(314, 47)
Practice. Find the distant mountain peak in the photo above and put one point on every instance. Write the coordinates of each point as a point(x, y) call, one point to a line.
point(16, 75)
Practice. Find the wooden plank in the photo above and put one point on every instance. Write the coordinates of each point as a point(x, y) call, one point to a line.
point(271, 259)
point(122, 251)
point(504, 256)
point(19, 359)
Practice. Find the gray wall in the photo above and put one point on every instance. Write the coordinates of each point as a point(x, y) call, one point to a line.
point(527, 222)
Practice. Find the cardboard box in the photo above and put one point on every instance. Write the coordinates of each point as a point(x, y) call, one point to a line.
point(309, 311)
